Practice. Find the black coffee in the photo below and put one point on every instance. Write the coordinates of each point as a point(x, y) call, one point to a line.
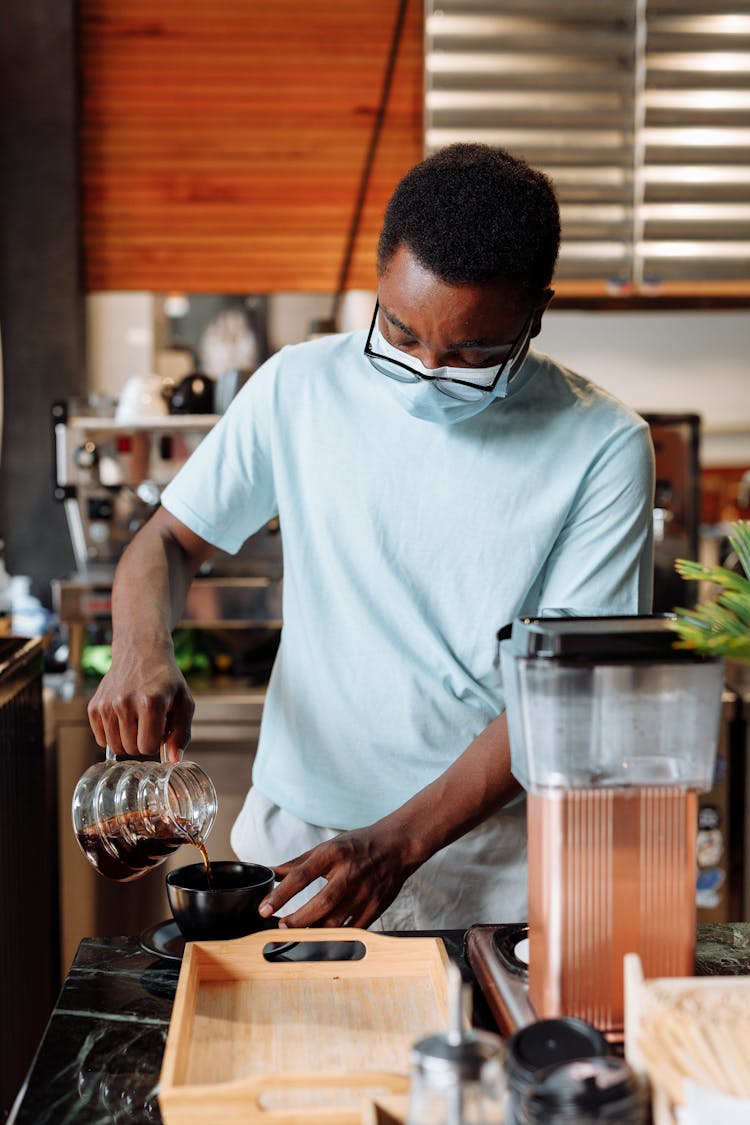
point(123, 859)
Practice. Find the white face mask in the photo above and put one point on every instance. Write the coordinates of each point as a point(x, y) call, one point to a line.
point(424, 400)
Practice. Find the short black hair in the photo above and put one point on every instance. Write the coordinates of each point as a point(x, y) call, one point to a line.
point(472, 214)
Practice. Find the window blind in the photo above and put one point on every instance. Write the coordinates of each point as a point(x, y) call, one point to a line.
point(637, 109)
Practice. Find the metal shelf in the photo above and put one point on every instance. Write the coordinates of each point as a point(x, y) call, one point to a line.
point(167, 423)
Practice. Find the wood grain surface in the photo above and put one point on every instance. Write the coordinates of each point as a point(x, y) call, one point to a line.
point(222, 144)
point(282, 1041)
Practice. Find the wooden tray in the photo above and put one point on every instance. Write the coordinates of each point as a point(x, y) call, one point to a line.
point(284, 1042)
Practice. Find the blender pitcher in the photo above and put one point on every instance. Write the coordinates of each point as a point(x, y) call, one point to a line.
point(130, 813)
point(613, 735)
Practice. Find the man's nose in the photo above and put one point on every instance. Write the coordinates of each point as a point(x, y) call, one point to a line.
point(428, 356)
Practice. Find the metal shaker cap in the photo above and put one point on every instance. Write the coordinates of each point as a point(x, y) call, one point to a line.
point(458, 1054)
point(448, 1057)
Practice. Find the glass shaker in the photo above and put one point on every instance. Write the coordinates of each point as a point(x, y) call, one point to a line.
point(457, 1076)
point(129, 813)
point(541, 1045)
point(588, 1091)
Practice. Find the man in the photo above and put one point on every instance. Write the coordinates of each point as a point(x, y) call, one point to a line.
point(434, 480)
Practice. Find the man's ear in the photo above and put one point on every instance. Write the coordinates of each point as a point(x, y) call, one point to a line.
point(539, 311)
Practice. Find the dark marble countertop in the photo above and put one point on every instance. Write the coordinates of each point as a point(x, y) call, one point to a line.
point(99, 1060)
point(100, 1057)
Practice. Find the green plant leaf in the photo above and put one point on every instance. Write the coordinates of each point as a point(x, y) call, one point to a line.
point(717, 575)
point(721, 626)
point(740, 540)
point(738, 605)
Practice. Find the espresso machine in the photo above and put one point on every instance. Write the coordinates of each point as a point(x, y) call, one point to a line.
point(613, 735)
point(109, 474)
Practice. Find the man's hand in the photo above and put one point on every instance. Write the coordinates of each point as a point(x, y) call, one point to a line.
point(142, 703)
point(367, 867)
point(365, 871)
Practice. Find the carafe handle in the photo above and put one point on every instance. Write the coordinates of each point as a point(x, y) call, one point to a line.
point(110, 755)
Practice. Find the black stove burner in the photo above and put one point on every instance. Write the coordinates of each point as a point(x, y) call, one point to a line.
point(505, 940)
point(500, 974)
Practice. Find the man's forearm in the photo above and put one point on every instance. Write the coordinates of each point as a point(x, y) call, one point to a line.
point(365, 868)
point(143, 700)
point(148, 592)
point(151, 585)
point(477, 784)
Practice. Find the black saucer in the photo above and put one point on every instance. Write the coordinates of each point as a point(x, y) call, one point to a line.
point(164, 940)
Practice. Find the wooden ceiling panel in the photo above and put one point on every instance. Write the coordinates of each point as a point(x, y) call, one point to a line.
point(222, 145)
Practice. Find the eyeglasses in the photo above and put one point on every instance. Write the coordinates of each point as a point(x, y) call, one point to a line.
point(465, 390)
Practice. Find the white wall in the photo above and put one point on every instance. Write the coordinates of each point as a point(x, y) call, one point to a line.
point(686, 362)
point(119, 339)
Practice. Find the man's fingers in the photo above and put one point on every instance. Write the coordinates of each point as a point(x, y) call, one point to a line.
point(97, 725)
point(120, 729)
point(316, 913)
point(141, 723)
point(174, 749)
point(356, 887)
point(296, 880)
point(321, 910)
point(151, 719)
point(336, 904)
point(333, 907)
point(281, 870)
point(179, 724)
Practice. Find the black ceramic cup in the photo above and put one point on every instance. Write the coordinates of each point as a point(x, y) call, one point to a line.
point(227, 908)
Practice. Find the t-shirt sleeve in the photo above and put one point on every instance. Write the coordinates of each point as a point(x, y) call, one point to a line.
point(602, 562)
point(225, 491)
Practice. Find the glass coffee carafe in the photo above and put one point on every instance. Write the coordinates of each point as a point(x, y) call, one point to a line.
point(129, 813)
point(613, 735)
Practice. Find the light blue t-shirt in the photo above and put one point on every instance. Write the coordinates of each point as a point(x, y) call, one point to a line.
point(406, 545)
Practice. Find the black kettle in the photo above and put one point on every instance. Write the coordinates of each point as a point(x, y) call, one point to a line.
point(193, 395)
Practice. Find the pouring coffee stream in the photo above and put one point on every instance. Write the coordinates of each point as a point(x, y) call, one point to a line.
point(130, 814)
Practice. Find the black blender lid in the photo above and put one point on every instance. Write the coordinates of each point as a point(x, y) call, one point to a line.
point(543, 1043)
point(626, 638)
